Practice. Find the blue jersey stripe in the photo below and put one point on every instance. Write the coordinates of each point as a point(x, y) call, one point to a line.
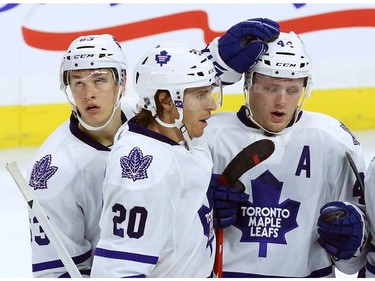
point(125, 256)
point(58, 263)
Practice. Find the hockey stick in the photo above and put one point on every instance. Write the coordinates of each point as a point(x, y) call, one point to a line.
point(43, 220)
point(246, 159)
point(336, 214)
point(355, 170)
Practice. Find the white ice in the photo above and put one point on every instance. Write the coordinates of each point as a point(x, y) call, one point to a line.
point(15, 252)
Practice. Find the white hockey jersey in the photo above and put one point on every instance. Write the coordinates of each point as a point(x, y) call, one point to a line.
point(156, 219)
point(370, 210)
point(276, 233)
point(67, 177)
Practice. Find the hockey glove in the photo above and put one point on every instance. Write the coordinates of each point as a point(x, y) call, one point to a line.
point(341, 230)
point(242, 45)
point(225, 201)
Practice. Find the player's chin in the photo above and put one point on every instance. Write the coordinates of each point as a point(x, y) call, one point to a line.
point(275, 126)
point(95, 121)
point(196, 133)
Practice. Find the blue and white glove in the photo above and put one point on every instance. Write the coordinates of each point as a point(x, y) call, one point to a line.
point(342, 230)
point(242, 45)
point(225, 201)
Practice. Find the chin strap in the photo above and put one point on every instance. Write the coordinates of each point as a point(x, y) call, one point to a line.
point(179, 125)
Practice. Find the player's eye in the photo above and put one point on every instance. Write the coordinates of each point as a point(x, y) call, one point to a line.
point(293, 91)
point(101, 80)
point(78, 83)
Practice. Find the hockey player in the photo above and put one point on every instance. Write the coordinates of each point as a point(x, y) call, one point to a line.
point(156, 219)
point(68, 169)
point(67, 172)
point(303, 217)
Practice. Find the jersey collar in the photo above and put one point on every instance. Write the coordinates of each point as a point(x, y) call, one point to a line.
point(135, 128)
point(85, 138)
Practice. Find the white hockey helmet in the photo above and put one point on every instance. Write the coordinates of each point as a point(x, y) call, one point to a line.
point(172, 67)
point(93, 52)
point(286, 58)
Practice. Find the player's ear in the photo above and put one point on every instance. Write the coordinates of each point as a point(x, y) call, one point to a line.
point(165, 100)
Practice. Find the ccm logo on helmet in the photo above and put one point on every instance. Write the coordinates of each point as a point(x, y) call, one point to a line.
point(285, 64)
point(83, 56)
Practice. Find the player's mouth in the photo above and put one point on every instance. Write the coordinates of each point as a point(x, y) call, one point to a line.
point(204, 120)
point(278, 115)
point(92, 109)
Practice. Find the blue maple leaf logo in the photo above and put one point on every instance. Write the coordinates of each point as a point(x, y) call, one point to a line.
point(135, 165)
point(162, 58)
point(205, 216)
point(41, 172)
point(265, 220)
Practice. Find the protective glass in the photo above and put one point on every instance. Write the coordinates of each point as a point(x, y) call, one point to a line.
point(217, 93)
point(206, 97)
point(81, 82)
point(298, 88)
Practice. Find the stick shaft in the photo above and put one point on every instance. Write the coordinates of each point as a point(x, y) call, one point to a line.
point(355, 170)
point(43, 220)
point(218, 266)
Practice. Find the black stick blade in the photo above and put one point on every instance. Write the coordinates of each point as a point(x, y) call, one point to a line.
point(246, 159)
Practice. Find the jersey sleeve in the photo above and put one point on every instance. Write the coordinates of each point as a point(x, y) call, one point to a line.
point(370, 210)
